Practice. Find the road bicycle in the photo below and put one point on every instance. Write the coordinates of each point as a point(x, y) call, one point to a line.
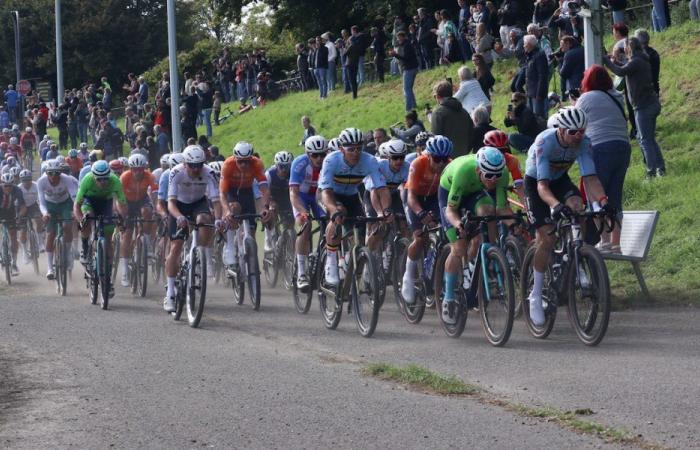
point(576, 276)
point(32, 243)
point(217, 265)
point(359, 281)
point(62, 256)
point(247, 271)
point(28, 158)
point(6, 250)
point(282, 256)
point(116, 245)
point(139, 261)
point(98, 269)
point(491, 284)
point(394, 245)
point(160, 251)
point(302, 298)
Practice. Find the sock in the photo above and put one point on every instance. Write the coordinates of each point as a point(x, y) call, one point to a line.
point(332, 257)
point(207, 256)
point(171, 287)
point(537, 288)
point(410, 269)
point(124, 262)
point(301, 263)
point(49, 257)
point(450, 282)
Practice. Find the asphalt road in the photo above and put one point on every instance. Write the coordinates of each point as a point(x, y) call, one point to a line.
point(72, 375)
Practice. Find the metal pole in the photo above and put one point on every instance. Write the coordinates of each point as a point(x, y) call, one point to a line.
point(593, 32)
point(18, 59)
point(174, 81)
point(59, 56)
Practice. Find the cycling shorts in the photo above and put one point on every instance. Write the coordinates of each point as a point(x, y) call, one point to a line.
point(311, 204)
point(469, 203)
point(63, 211)
point(134, 209)
point(100, 207)
point(538, 212)
point(9, 215)
point(189, 210)
point(353, 208)
point(428, 203)
point(33, 211)
point(246, 199)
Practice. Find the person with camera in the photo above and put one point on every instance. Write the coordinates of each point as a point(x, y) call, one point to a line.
point(572, 65)
point(527, 124)
point(567, 20)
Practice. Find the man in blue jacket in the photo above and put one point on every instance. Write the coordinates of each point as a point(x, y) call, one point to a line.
point(11, 98)
point(573, 64)
point(536, 76)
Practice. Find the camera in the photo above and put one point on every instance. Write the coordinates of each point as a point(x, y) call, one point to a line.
point(510, 107)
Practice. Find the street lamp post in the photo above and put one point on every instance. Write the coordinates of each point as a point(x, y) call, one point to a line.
point(59, 56)
point(174, 80)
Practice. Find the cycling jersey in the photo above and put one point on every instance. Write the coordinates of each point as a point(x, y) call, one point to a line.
point(304, 175)
point(163, 184)
point(513, 165)
point(76, 165)
point(461, 179)
point(156, 174)
point(422, 180)
point(84, 171)
point(411, 157)
point(234, 177)
point(135, 191)
point(89, 188)
point(186, 189)
point(9, 201)
point(66, 189)
point(279, 187)
point(343, 179)
point(30, 195)
point(548, 160)
point(393, 180)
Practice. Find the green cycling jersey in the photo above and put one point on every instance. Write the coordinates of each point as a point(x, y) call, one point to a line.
point(461, 179)
point(91, 189)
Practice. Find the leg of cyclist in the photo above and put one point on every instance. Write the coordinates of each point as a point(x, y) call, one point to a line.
point(336, 211)
point(269, 228)
point(172, 264)
point(420, 211)
point(231, 248)
point(149, 228)
point(303, 248)
point(206, 235)
point(50, 236)
point(14, 246)
point(125, 247)
point(23, 240)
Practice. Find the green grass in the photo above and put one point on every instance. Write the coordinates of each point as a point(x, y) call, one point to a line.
point(420, 378)
point(671, 269)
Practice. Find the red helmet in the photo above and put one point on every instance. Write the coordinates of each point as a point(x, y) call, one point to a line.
point(117, 165)
point(496, 138)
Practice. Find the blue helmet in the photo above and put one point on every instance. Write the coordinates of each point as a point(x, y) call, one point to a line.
point(490, 160)
point(100, 169)
point(73, 153)
point(440, 146)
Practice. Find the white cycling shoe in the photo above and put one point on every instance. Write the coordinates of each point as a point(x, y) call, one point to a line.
point(536, 311)
point(408, 290)
point(331, 274)
point(169, 304)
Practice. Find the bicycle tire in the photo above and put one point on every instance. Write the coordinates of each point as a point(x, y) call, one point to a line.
point(289, 259)
point(412, 312)
point(134, 267)
point(103, 273)
point(302, 301)
point(91, 277)
point(497, 332)
point(180, 296)
point(34, 250)
point(60, 271)
point(270, 269)
point(514, 250)
point(331, 313)
point(6, 258)
point(159, 253)
point(452, 330)
point(196, 281)
point(116, 244)
point(366, 281)
point(597, 273)
point(142, 267)
point(550, 304)
point(398, 267)
point(253, 280)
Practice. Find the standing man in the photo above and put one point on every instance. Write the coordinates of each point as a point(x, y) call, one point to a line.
point(449, 119)
point(408, 60)
point(378, 44)
point(11, 98)
point(426, 38)
point(332, 59)
point(321, 67)
point(536, 76)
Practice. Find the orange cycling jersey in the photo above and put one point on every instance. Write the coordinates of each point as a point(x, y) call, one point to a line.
point(422, 180)
point(234, 177)
point(513, 167)
point(137, 190)
point(75, 164)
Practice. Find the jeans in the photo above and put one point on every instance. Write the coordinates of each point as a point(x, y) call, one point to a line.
point(226, 91)
point(539, 107)
point(618, 16)
point(659, 21)
point(520, 142)
point(427, 53)
point(611, 160)
point(12, 112)
point(409, 77)
point(330, 76)
point(241, 91)
point(379, 67)
point(394, 66)
point(206, 118)
point(83, 132)
point(346, 80)
point(646, 135)
point(361, 71)
point(322, 83)
point(694, 6)
point(352, 79)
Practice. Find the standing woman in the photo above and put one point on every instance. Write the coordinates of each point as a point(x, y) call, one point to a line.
point(607, 130)
point(483, 74)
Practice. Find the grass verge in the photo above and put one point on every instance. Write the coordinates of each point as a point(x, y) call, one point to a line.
point(419, 377)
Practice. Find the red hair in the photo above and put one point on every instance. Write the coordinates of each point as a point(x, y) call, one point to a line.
point(596, 78)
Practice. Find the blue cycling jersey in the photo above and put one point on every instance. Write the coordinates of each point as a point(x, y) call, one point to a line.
point(411, 157)
point(393, 179)
point(84, 171)
point(304, 175)
point(548, 160)
point(163, 184)
point(343, 179)
point(279, 187)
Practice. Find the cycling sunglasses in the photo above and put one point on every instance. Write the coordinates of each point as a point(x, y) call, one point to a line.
point(353, 148)
point(53, 173)
point(575, 132)
point(195, 165)
point(398, 158)
point(492, 176)
point(317, 155)
point(440, 159)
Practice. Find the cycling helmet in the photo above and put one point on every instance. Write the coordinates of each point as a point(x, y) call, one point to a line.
point(243, 150)
point(283, 159)
point(28, 129)
point(11, 160)
point(350, 136)
point(73, 153)
point(6, 130)
point(61, 159)
point(7, 178)
point(395, 147)
point(316, 144)
point(47, 137)
point(490, 160)
point(552, 122)
point(333, 144)
point(95, 155)
point(439, 145)
point(216, 166)
point(25, 175)
point(496, 138)
point(15, 171)
point(65, 168)
point(13, 141)
point(138, 161)
point(15, 127)
point(572, 118)
point(83, 146)
point(194, 154)
point(124, 160)
point(52, 165)
point(175, 159)
point(422, 138)
point(116, 165)
point(382, 152)
point(100, 169)
point(165, 160)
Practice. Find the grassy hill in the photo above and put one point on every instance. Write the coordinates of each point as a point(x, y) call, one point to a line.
point(675, 255)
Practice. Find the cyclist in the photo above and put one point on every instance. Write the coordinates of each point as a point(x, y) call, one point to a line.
point(333, 145)
point(464, 185)
point(14, 148)
point(498, 139)
point(164, 165)
point(28, 141)
point(74, 162)
point(341, 174)
point(83, 153)
point(420, 142)
point(30, 196)
point(236, 187)
point(117, 166)
point(95, 196)
point(137, 181)
point(11, 206)
point(280, 204)
point(95, 155)
point(303, 181)
point(422, 202)
point(162, 207)
point(52, 151)
point(56, 193)
point(190, 189)
point(549, 192)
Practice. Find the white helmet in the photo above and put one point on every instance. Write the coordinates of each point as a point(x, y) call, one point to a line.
point(572, 118)
point(316, 144)
point(138, 161)
point(83, 146)
point(8, 178)
point(350, 136)
point(52, 165)
point(552, 122)
point(61, 159)
point(283, 159)
point(13, 141)
point(333, 144)
point(243, 150)
point(194, 154)
point(165, 160)
point(15, 127)
point(15, 171)
point(28, 129)
point(47, 137)
point(394, 147)
point(25, 175)
point(216, 167)
point(175, 159)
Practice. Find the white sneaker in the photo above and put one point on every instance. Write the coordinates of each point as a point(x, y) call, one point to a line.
point(536, 311)
point(50, 275)
point(331, 274)
point(448, 318)
point(169, 304)
point(125, 279)
point(408, 290)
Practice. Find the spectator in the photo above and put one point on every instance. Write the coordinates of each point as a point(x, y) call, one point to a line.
point(607, 130)
point(332, 58)
point(216, 106)
point(527, 124)
point(542, 39)
point(620, 33)
point(573, 63)
point(353, 51)
point(303, 66)
point(378, 48)
point(618, 8)
point(660, 18)
point(360, 41)
point(536, 76)
point(206, 101)
point(4, 118)
point(508, 15)
point(451, 120)
point(483, 74)
point(654, 58)
point(482, 125)
point(493, 20)
point(443, 31)
point(645, 103)
point(72, 129)
point(426, 38)
point(379, 136)
point(470, 94)
point(408, 60)
point(463, 29)
point(309, 130)
point(483, 44)
point(142, 97)
point(694, 6)
point(162, 140)
point(187, 124)
point(411, 130)
point(214, 154)
point(399, 25)
point(544, 10)
point(11, 99)
point(312, 60)
point(453, 53)
point(567, 20)
point(340, 46)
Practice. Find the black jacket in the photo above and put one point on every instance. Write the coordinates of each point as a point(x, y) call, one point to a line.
point(406, 55)
point(525, 121)
point(572, 67)
point(655, 62)
point(536, 74)
point(451, 120)
point(321, 57)
point(425, 36)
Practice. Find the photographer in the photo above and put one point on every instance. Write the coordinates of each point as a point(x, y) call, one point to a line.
point(572, 63)
point(522, 117)
point(413, 127)
point(567, 20)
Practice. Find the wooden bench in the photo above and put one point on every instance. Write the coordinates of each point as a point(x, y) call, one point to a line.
point(638, 229)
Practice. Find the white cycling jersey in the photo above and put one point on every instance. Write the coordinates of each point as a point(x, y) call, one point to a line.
point(157, 173)
point(30, 195)
point(186, 189)
point(66, 188)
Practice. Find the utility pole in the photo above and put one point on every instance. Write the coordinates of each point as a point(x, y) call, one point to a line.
point(176, 137)
point(593, 33)
point(60, 91)
point(18, 59)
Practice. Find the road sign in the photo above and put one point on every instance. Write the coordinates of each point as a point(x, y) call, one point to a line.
point(24, 87)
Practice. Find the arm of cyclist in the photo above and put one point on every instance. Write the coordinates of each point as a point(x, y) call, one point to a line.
point(296, 201)
point(381, 201)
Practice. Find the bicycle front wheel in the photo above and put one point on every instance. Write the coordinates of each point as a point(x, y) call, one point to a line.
point(549, 296)
point(452, 330)
point(289, 241)
point(398, 268)
point(514, 250)
point(116, 251)
point(142, 266)
point(365, 293)
point(60, 262)
point(331, 308)
point(496, 295)
point(589, 296)
point(302, 301)
point(253, 273)
point(34, 250)
point(103, 271)
point(196, 286)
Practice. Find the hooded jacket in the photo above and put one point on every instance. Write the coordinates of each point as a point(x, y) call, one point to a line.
point(451, 120)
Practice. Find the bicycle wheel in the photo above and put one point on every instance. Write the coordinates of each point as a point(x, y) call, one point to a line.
point(196, 286)
point(452, 330)
point(498, 308)
point(103, 271)
point(271, 268)
point(60, 271)
point(365, 293)
point(180, 294)
point(92, 278)
point(7, 260)
point(549, 297)
point(115, 247)
point(398, 268)
point(34, 250)
point(253, 273)
point(289, 259)
point(589, 296)
point(331, 310)
point(302, 301)
point(159, 256)
point(134, 268)
point(218, 265)
point(142, 266)
point(514, 250)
